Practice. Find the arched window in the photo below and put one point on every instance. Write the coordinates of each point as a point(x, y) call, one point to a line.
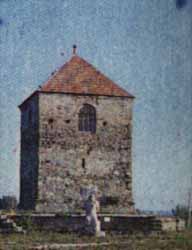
point(87, 118)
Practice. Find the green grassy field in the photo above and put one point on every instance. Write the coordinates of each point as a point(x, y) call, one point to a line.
point(168, 241)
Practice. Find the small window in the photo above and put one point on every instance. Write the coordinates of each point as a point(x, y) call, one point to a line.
point(83, 163)
point(87, 118)
point(104, 123)
point(50, 121)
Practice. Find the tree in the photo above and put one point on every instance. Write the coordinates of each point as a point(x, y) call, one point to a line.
point(182, 211)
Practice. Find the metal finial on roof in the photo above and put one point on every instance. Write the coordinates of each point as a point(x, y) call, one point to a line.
point(74, 49)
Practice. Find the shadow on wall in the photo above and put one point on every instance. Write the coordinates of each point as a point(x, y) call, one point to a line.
point(181, 3)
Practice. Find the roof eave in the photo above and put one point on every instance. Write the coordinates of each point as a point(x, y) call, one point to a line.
point(85, 94)
point(71, 93)
point(29, 97)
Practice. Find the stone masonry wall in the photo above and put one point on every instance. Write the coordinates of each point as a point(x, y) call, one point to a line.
point(70, 160)
point(29, 153)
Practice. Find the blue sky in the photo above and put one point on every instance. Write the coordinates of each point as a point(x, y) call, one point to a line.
point(144, 46)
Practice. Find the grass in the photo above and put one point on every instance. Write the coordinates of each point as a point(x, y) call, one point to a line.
point(169, 241)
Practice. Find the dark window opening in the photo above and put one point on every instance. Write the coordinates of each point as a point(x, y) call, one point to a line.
point(50, 121)
point(83, 163)
point(104, 123)
point(67, 121)
point(87, 119)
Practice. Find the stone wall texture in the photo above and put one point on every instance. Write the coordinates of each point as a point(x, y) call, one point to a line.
point(68, 160)
point(118, 224)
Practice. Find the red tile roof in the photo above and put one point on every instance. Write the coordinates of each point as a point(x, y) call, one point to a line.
point(79, 77)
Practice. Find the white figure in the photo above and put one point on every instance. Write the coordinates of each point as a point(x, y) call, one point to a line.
point(93, 225)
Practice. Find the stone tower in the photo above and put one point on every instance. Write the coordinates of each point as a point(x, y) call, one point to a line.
point(76, 132)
